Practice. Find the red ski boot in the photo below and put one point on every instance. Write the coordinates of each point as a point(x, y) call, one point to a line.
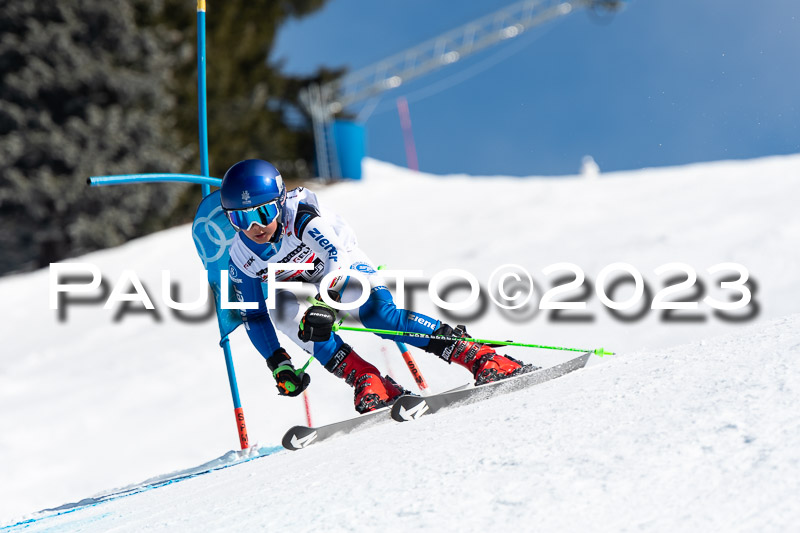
point(371, 390)
point(485, 364)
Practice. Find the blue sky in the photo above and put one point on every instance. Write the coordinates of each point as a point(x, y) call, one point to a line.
point(664, 82)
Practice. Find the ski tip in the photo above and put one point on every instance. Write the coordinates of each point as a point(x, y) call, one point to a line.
point(298, 437)
point(601, 352)
point(409, 407)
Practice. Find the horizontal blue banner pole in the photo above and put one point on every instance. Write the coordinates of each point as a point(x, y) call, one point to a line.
point(98, 181)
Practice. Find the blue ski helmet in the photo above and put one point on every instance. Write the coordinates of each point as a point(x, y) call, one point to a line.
point(253, 193)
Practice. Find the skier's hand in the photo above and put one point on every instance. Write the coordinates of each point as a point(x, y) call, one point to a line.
point(317, 322)
point(290, 382)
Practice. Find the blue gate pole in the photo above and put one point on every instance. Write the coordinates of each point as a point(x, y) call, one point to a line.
point(241, 426)
point(203, 132)
point(201, 91)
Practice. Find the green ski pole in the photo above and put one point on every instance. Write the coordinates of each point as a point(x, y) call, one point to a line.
point(599, 351)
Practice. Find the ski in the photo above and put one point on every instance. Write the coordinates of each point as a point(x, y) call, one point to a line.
point(410, 407)
point(300, 437)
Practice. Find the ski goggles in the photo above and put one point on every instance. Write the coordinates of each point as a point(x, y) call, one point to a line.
point(263, 215)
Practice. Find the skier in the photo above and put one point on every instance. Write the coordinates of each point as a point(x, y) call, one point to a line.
point(276, 226)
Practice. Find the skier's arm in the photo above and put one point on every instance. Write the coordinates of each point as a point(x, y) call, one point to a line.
point(260, 329)
point(318, 234)
point(257, 322)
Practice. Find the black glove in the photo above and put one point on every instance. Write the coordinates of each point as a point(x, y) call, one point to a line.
point(318, 320)
point(290, 382)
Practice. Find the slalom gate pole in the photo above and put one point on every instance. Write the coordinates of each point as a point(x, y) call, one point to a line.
point(201, 92)
point(203, 143)
point(122, 179)
point(413, 368)
point(416, 373)
point(598, 351)
point(307, 404)
point(241, 427)
point(389, 368)
point(306, 399)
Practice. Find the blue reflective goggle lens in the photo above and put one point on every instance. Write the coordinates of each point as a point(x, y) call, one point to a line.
point(262, 215)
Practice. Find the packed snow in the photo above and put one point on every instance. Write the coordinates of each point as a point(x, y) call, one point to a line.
point(692, 424)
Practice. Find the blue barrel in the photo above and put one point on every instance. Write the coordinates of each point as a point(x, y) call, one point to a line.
point(350, 147)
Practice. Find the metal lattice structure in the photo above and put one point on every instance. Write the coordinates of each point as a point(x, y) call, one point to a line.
point(323, 102)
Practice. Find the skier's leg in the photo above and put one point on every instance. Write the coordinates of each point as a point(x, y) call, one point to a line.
point(380, 312)
point(485, 364)
point(371, 391)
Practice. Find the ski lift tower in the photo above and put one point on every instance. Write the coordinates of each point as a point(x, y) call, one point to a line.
point(323, 102)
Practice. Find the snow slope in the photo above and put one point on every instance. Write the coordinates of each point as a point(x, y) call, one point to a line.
point(657, 436)
point(682, 439)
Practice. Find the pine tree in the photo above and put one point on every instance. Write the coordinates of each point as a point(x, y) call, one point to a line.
point(92, 87)
point(253, 108)
point(82, 92)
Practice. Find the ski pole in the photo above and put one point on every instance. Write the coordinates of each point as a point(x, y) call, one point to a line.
point(598, 351)
point(305, 365)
